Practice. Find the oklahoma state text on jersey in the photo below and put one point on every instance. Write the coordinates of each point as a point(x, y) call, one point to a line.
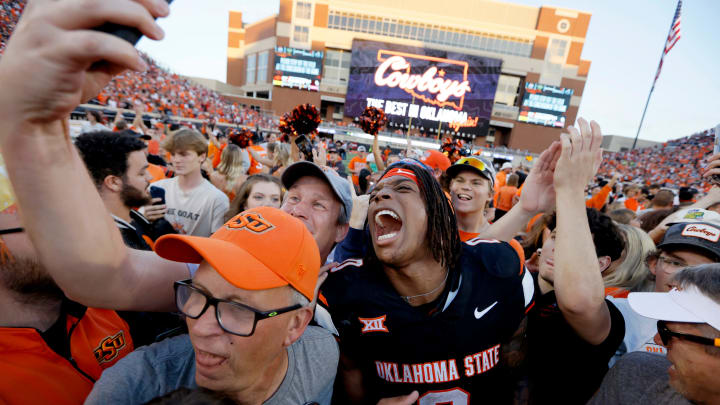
point(451, 355)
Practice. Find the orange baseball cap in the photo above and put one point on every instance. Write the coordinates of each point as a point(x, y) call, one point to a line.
point(436, 160)
point(258, 249)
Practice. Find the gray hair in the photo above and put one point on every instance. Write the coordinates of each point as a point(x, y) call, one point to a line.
point(633, 273)
point(296, 297)
point(706, 278)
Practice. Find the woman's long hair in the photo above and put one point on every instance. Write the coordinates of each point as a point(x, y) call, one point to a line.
point(231, 165)
point(237, 205)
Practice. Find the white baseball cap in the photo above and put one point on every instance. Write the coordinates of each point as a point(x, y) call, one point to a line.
point(506, 165)
point(686, 305)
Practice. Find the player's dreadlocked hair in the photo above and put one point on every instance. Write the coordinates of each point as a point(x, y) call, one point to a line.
point(442, 232)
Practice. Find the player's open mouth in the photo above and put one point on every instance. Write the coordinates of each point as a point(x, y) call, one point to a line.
point(464, 197)
point(387, 225)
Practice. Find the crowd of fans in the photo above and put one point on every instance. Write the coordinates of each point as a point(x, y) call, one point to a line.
point(160, 91)
point(10, 11)
point(144, 264)
point(674, 164)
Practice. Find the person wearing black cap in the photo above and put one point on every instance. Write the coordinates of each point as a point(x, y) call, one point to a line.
point(336, 162)
point(471, 181)
point(692, 240)
point(686, 196)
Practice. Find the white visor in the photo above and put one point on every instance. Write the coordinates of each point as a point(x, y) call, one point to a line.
point(688, 305)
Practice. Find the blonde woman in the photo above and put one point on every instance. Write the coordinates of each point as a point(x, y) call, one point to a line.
point(231, 172)
point(280, 160)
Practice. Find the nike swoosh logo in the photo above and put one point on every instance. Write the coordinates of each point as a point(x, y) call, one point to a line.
point(479, 315)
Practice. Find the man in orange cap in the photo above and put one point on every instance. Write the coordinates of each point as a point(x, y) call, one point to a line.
point(437, 161)
point(247, 309)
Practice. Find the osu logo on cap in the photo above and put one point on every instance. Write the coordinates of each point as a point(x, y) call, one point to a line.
point(251, 221)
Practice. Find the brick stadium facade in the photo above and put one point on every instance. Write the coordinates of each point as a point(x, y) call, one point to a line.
point(539, 45)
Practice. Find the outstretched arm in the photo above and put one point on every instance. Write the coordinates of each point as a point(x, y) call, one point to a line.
point(578, 282)
point(378, 157)
point(71, 230)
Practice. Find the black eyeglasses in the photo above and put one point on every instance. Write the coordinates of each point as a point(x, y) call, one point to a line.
point(11, 230)
point(666, 334)
point(233, 317)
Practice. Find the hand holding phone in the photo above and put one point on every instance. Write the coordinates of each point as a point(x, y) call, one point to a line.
point(129, 34)
point(157, 192)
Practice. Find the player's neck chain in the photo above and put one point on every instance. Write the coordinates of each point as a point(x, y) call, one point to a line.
point(407, 298)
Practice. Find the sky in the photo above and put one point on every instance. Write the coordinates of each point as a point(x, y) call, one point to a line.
point(624, 43)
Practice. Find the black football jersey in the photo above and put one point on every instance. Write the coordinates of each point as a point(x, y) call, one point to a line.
point(451, 355)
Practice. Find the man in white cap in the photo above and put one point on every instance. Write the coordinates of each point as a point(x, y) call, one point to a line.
point(501, 176)
point(693, 238)
point(358, 163)
point(689, 327)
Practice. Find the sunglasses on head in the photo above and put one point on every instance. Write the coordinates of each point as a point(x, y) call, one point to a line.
point(474, 162)
point(411, 161)
point(666, 334)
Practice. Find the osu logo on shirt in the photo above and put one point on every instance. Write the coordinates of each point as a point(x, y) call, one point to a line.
point(109, 348)
point(251, 221)
point(374, 324)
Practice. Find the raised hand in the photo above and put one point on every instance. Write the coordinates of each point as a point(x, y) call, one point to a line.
point(580, 157)
point(538, 193)
point(360, 208)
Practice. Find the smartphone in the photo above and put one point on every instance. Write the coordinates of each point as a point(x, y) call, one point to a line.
point(305, 147)
point(129, 34)
point(715, 178)
point(157, 192)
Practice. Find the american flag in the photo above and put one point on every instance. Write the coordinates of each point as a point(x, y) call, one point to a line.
point(672, 38)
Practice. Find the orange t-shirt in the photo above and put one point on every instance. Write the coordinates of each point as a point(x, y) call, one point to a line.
point(357, 163)
point(153, 147)
point(218, 154)
point(632, 204)
point(33, 373)
point(616, 292)
point(598, 200)
point(505, 196)
point(255, 166)
point(157, 172)
point(500, 180)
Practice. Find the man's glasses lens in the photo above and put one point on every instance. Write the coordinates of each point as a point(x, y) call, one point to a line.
point(190, 301)
point(664, 332)
point(233, 318)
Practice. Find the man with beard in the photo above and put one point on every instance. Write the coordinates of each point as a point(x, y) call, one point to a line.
point(51, 349)
point(118, 166)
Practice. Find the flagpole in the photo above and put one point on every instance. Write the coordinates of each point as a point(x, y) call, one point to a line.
point(662, 56)
point(643, 117)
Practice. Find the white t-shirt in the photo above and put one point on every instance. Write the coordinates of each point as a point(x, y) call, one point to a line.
point(639, 332)
point(88, 127)
point(198, 212)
